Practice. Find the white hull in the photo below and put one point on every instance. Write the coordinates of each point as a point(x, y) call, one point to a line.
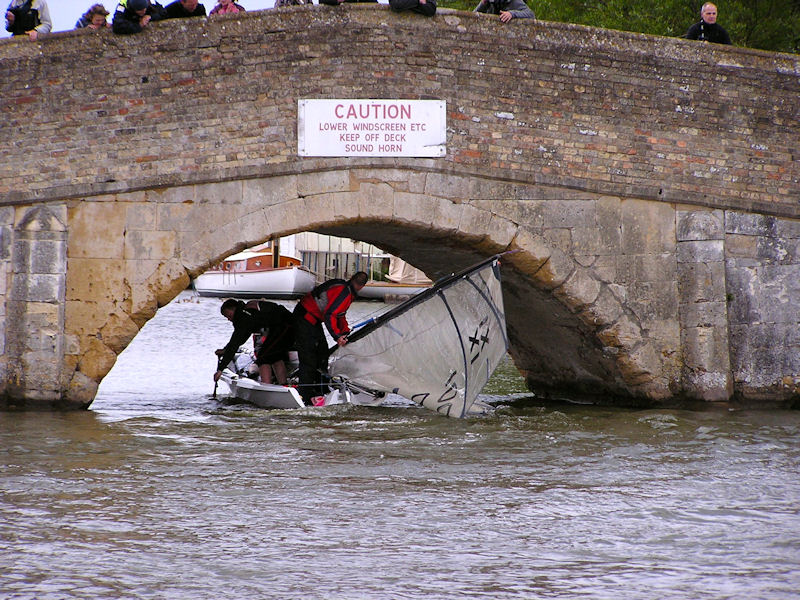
point(265, 395)
point(262, 394)
point(283, 282)
point(379, 290)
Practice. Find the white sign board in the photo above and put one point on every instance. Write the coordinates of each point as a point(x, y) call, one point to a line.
point(371, 128)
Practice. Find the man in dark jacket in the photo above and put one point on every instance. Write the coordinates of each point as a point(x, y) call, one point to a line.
point(505, 9)
point(183, 9)
point(327, 303)
point(422, 7)
point(132, 16)
point(271, 324)
point(707, 30)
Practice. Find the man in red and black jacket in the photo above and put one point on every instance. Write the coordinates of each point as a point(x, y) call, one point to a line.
point(327, 303)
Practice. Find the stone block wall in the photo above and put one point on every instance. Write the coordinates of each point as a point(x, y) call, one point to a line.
point(34, 273)
point(763, 295)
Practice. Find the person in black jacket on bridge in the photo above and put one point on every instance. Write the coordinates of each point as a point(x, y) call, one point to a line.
point(707, 30)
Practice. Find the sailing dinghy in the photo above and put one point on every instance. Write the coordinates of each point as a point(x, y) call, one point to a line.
point(437, 349)
point(240, 377)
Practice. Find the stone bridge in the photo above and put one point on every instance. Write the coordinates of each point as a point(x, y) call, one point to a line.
point(650, 186)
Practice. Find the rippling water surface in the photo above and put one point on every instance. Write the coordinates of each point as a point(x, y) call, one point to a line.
point(161, 491)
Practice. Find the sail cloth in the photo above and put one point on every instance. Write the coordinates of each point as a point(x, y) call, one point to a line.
point(438, 348)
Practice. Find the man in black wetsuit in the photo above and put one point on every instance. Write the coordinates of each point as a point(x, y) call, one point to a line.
point(271, 324)
point(707, 29)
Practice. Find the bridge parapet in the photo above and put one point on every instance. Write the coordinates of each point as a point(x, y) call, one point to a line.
point(602, 111)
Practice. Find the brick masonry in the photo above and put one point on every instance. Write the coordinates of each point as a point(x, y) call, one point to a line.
point(652, 184)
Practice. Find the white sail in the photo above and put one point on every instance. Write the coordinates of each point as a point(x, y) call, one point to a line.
point(437, 349)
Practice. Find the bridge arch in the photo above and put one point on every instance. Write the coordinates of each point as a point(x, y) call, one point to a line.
point(568, 329)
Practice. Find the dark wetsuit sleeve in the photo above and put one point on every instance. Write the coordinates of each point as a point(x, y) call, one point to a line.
point(242, 329)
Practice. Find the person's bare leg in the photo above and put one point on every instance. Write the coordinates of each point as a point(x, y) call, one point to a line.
point(265, 373)
point(280, 372)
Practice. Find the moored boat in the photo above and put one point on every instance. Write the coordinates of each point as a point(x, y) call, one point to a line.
point(401, 281)
point(251, 274)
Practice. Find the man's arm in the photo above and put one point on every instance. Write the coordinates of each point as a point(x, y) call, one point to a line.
point(46, 23)
point(238, 338)
point(334, 315)
point(520, 10)
point(693, 33)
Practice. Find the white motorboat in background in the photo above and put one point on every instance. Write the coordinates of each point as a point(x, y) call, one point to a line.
point(254, 273)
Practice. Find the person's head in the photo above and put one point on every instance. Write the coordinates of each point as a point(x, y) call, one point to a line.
point(96, 15)
point(709, 13)
point(138, 6)
point(229, 307)
point(225, 2)
point(359, 280)
point(189, 5)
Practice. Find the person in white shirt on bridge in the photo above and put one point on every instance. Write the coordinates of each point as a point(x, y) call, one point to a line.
point(507, 9)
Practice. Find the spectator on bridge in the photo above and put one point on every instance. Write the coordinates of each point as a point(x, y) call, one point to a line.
point(183, 9)
point(507, 9)
point(28, 17)
point(423, 7)
point(279, 3)
point(132, 16)
point(225, 7)
point(707, 29)
point(338, 2)
point(94, 18)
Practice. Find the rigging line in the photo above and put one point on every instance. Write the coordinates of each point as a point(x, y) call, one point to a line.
point(440, 293)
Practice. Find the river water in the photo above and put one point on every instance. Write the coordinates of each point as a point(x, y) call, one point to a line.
point(161, 491)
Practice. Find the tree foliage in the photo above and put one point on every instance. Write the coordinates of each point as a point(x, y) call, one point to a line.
point(764, 24)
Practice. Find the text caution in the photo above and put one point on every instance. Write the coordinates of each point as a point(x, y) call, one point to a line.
point(371, 128)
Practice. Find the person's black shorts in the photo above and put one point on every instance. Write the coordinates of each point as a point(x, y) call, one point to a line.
point(274, 348)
